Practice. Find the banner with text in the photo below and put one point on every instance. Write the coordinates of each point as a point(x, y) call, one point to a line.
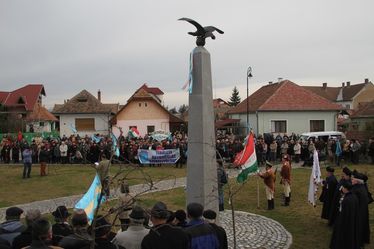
point(158, 156)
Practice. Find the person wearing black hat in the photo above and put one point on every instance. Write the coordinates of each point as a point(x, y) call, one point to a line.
point(180, 218)
point(12, 227)
point(345, 232)
point(61, 228)
point(328, 191)
point(41, 235)
point(358, 182)
point(25, 238)
point(210, 216)
point(133, 236)
point(269, 180)
point(334, 209)
point(102, 230)
point(201, 234)
point(80, 238)
point(163, 235)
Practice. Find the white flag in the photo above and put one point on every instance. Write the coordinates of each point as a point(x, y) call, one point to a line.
point(315, 179)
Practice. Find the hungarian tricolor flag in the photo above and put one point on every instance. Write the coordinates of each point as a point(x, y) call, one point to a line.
point(134, 133)
point(247, 160)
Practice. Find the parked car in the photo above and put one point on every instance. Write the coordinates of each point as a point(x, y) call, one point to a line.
point(324, 135)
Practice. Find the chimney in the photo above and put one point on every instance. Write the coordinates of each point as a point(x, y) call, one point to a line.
point(270, 82)
point(366, 80)
point(280, 79)
point(343, 84)
point(348, 83)
point(324, 85)
point(99, 95)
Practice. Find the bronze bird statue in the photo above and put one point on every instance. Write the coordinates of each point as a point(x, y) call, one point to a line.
point(202, 32)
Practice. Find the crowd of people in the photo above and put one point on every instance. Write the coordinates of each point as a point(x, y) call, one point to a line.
point(346, 207)
point(157, 228)
point(271, 148)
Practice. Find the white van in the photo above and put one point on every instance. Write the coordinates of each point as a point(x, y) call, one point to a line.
point(324, 135)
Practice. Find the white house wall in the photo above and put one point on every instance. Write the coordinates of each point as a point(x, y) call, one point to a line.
point(159, 124)
point(101, 124)
point(297, 122)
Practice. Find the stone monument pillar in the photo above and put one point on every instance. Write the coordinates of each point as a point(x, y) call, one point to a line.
point(202, 186)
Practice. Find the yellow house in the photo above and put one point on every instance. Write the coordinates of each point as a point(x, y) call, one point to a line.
point(144, 111)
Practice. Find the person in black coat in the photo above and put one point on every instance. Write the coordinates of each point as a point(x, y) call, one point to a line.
point(360, 191)
point(61, 228)
point(334, 209)
point(163, 235)
point(345, 233)
point(102, 237)
point(328, 191)
point(80, 238)
point(25, 238)
point(210, 217)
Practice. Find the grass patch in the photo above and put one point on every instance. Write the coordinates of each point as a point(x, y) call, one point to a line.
point(66, 180)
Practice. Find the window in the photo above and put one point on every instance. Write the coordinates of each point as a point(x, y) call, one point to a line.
point(140, 104)
point(348, 106)
point(145, 104)
point(41, 124)
point(279, 126)
point(150, 128)
point(85, 124)
point(317, 125)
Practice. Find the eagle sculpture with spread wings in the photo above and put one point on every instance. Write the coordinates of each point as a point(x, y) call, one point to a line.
point(202, 32)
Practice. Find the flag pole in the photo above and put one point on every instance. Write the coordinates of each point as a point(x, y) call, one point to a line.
point(258, 194)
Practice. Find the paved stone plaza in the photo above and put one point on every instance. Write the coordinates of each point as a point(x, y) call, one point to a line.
point(253, 231)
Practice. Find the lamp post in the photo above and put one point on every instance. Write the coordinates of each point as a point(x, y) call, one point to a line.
point(249, 75)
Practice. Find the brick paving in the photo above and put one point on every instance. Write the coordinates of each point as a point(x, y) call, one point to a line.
point(253, 231)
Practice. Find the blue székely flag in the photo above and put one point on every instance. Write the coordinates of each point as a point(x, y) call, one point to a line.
point(338, 151)
point(114, 145)
point(72, 128)
point(90, 200)
point(96, 139)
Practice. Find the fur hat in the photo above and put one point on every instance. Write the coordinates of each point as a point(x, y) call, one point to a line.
point(13, 213)
point(347, 185)
point(209, 214)
point(160, 211)
point(61, 212)
point(137, 213)
point(347, 171)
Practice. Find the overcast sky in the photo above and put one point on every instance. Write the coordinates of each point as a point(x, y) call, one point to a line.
point(117, 45)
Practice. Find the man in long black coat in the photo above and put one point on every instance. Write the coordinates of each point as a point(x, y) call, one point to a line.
point(345, 233)
point(328, 191)
point(363, 201)
point(334, 209)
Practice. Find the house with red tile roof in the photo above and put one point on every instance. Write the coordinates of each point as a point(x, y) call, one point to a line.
point(286, 107)
point(347, 95)
point(144, 110)
point(361, 122)
point(24, 110)
point(84, 114)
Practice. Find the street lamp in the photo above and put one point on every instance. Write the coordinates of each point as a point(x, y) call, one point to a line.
point(249, 75)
